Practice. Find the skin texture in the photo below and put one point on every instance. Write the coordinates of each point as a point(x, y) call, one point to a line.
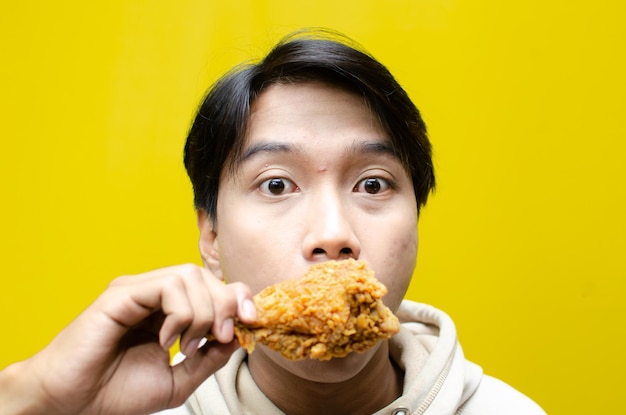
point(317, 181)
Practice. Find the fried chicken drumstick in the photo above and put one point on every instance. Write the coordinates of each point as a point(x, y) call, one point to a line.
point(333, 310)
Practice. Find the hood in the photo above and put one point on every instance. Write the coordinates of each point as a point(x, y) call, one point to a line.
point(438, 379)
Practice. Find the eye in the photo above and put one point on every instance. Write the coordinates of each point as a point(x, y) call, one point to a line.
point(372, 185)
point(278, 186)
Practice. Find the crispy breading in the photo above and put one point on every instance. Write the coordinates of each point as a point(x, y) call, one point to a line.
point(333, 310)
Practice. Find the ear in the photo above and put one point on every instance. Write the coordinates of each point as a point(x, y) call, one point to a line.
point(208, 243)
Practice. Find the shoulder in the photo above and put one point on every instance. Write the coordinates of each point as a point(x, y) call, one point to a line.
point(496, 397)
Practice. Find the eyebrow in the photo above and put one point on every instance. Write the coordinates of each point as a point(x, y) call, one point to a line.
point(269, 147)
point(356, 148)
point(373, 147)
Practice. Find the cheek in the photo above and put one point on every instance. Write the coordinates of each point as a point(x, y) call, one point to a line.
point(254, 248)
point(241, 262)
point(236, 239)
point(404, 263)
point(397, 238)
point(397, 260)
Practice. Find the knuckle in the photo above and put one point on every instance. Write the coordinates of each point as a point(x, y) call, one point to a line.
point(189, 269)
point(183, 316)
point(119, 281)
point(204, 315)
point(172, 281)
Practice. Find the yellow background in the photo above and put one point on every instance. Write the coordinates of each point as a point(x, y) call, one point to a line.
point(522, 243)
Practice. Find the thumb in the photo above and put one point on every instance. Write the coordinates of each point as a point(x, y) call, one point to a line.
point(195, 369)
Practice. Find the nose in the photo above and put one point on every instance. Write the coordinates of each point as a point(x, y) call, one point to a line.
point(329, 231)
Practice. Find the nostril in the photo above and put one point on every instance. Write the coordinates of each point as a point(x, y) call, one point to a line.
point(343, 253)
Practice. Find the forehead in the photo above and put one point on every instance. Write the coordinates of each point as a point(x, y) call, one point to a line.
point(300, 112)
point(304, 93)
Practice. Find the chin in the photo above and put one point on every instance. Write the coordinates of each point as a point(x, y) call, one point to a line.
point(334, 370)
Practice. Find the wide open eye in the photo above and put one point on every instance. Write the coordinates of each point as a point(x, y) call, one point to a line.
point(372, 185)
point(277, 186)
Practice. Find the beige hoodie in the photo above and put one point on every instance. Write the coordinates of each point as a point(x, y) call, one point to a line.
point(438, 380)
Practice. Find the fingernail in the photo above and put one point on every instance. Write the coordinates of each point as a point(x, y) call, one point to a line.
point(248, 309)
point(228, 328)
point(192, 347)
point(168, 344)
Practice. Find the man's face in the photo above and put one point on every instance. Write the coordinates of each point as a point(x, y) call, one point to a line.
point(318, 181)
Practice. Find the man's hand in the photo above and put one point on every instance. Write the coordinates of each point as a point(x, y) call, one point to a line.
point(114, 358)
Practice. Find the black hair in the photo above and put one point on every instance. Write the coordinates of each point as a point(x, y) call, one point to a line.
point(215, 140)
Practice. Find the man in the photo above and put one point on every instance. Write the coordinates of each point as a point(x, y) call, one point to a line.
point(313, 154)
